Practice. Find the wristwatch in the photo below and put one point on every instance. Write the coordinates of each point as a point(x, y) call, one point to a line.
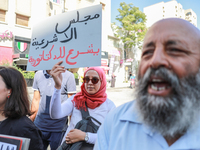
point(86, 137)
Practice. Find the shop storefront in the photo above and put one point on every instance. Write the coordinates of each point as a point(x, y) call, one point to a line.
point(104, 62)
point(14, 49)
point(114, 57)
point(6, 39)
point(21, 51)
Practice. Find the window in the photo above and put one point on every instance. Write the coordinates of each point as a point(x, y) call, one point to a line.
point(56, 1)
point(188, 14)
point(2, 15)
point(22, 20)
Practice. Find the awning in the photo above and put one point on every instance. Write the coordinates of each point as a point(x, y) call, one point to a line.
point(21, 61)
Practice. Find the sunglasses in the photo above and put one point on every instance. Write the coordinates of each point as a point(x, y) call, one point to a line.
point(94, 80)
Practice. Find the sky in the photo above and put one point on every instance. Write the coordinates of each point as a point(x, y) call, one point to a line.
point(187, 4)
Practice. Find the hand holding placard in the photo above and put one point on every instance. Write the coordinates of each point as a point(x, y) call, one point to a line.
point(56, 74)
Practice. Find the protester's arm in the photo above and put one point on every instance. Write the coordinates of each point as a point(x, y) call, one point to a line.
point(56, 73)
point(58, 110)
point(76, 135)
point(92, 138)
point(35, 104)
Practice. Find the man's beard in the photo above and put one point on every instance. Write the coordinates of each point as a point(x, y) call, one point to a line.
point(174, 114)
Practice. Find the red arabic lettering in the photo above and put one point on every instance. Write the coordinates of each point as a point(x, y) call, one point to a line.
point(61, 53)
point(38, 60)
point(68, 62)
point(75, 56)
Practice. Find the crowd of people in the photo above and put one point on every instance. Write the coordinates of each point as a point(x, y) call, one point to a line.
point(164, 115)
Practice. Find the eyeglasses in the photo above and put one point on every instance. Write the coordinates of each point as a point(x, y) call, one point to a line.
point(94, 80)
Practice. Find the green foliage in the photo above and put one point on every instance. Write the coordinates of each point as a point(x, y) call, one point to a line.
point(19, 69)
point(26, 74)
point(29, 74)
point(133, 27)
point(81, 79)
point(75, 75)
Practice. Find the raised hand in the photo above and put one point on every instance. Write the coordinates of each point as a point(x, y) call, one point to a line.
point(56, 74)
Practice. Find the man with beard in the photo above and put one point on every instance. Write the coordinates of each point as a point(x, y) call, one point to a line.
point(166, 112)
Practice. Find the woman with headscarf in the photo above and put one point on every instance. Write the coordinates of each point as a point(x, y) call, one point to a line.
point(93, 94)
point(15, 108)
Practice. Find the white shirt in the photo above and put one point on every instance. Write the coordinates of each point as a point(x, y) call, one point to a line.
point(58, 110)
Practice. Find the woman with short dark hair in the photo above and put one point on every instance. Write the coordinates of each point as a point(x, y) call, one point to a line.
point(15, 107)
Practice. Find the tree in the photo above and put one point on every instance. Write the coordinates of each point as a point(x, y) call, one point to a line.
point(132, 26)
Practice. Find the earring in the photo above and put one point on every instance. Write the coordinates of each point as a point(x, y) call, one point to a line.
point(8, 96)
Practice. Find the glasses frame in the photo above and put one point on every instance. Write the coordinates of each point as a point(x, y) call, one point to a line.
point(92, 80)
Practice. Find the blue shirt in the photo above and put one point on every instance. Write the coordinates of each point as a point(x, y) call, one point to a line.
point(132, 77)
point(122, 130)
point(44, 83)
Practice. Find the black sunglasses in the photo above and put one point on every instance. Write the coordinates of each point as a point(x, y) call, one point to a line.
point(94, 80)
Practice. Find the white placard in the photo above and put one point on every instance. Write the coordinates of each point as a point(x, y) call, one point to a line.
point(73, 37)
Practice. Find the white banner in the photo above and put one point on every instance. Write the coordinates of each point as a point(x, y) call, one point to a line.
point(73, 37)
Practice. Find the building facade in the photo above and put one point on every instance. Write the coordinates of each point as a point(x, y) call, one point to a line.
point(17, 18)
point(169, 9)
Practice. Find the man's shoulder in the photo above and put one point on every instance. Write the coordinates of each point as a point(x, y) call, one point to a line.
point(126, 106)
point(126, 109)
point(23, 122)
point(39, 74)
point(67, 73)
point(39, 80)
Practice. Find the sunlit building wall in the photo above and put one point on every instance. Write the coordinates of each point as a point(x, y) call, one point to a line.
point(167, 10)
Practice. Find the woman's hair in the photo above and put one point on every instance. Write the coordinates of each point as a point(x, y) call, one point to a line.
point(17, 104)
